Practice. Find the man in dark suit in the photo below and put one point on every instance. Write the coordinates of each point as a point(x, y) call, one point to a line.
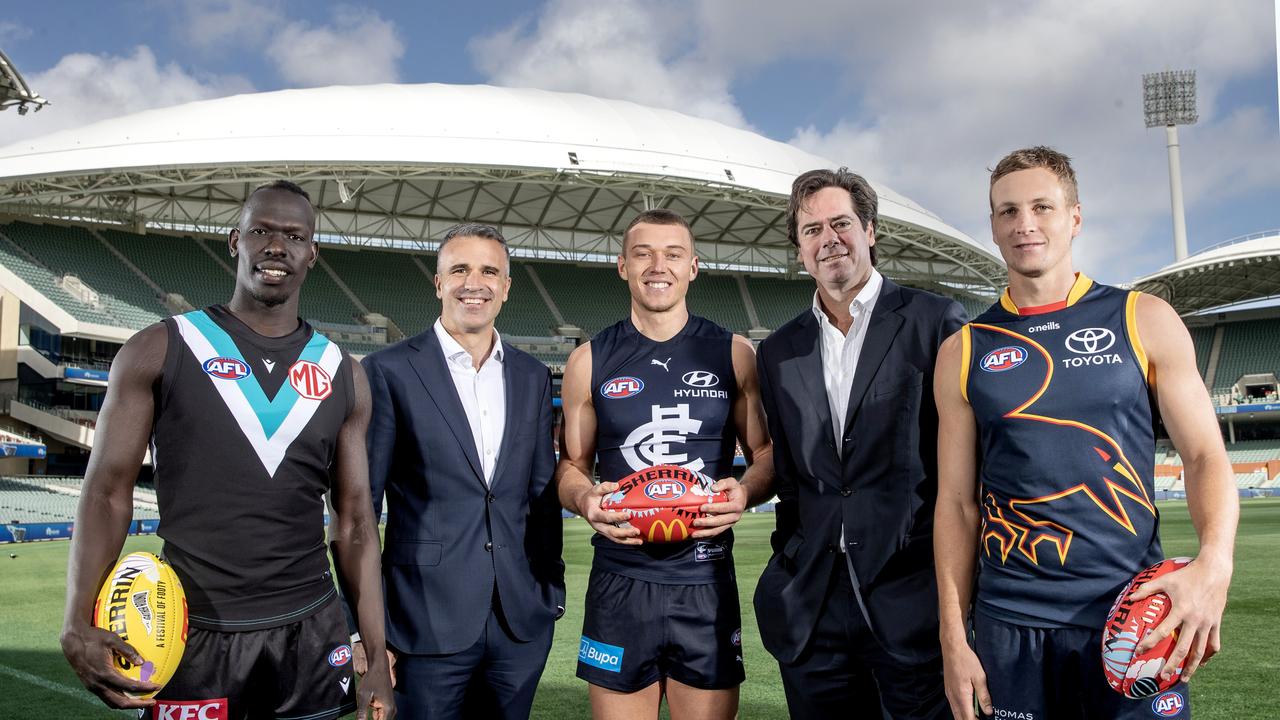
point(847, 604)
point(460, 440)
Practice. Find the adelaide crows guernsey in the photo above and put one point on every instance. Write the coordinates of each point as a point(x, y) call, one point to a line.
point(1064, 420)
point(665, 403)
point(243, 440)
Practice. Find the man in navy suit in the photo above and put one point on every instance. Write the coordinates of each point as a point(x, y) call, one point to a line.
point(460, 442)
point(847, 604)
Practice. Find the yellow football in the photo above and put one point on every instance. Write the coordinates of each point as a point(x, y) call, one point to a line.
point(142, 601)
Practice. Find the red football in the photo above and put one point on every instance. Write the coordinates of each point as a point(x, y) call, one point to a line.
point(1138, 676)
point(663, 501)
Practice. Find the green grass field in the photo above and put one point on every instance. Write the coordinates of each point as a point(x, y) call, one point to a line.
point(1243, 682)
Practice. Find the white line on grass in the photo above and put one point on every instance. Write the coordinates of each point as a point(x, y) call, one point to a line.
point(49, 684)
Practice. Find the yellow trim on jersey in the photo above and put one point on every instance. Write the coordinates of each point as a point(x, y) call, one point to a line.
point(966, 356)
point(1131, 326)
point(1079, 287)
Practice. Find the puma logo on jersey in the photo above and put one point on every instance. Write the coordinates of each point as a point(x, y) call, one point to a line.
point(662, 363)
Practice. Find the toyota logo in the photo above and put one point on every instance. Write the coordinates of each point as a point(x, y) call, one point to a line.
point(700, 379)
point(1088, 341)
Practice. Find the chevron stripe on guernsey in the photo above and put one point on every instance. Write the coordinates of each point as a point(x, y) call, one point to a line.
point(271, 426)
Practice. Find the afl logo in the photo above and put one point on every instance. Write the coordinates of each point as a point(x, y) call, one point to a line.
point(700, 379)
point(340, 656)
point(664, 490)
point(1005, 358)
point(310, 380)
point(1169, 704)
point(622, 387)
point(1090, 340)
point(226, 368)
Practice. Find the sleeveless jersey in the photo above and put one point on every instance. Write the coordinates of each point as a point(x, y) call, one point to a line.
point(244, 435)
point(665, 403)
point(1064, 419)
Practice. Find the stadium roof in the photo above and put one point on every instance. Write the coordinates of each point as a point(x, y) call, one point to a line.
point(1238, 270)
point(561, 173)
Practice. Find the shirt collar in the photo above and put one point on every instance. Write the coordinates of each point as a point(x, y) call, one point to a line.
point(866, 297)
point(455, 353)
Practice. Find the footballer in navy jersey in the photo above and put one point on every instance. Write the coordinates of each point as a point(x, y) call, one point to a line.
point(1046, 442)
point(662, 387)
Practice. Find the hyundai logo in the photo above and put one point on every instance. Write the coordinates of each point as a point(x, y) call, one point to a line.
point(700, 379)
point(1088, 341)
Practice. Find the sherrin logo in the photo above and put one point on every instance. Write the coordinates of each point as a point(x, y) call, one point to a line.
point(1169, 704)
point(226, 368)
point(310, 380)
point(622, 387)
point(664, 490)
point(340, 656)
point(1005, 358)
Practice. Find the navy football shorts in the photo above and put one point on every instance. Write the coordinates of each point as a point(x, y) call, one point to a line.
point(1056, 674)
point(636, 633)
point(301, 670)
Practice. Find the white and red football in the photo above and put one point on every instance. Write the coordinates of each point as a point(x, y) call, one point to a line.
point(1138, 676)
point(663, 501)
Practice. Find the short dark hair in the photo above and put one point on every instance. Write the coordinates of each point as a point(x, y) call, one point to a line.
point(657, 216)
point(480, 230)
point(285, 185)
point(865, 201)
point(1040, 156)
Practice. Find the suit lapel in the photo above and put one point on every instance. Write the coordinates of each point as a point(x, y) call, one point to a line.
point(514, 394)
point(885, 323)
point(429, 364)
point(807, 344)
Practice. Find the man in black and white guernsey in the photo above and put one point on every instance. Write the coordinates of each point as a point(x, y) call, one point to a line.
point(662, 387)
point(251, 417)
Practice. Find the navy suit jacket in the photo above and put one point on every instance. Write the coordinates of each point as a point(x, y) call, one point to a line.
point(881, 489)
point(449, 538)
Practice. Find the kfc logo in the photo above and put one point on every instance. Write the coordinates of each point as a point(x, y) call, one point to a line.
point(191, 709)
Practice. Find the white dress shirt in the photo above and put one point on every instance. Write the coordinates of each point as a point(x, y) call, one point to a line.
point(840, 352)
point(483, 395)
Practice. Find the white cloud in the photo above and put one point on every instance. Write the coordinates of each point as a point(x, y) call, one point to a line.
point(625, 49)
point(85, 88)
point(359, 47)
point(11, 31)
point(213, 25)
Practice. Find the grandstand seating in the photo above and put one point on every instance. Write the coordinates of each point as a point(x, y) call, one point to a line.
point(591, 297)
point(777, 300)
point(44, 281)
point(1248, 347)
point(717, 298)
point(389, 283)
point(32, 499)
point(71, 250)
point(1247, 451)
point(177, 264)
point(525, 312)
point(1202, 340)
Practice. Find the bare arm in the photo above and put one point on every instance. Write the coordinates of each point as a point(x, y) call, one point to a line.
point(577, 454)
point(756, 485)
point(353, 538)
point(106, 508)
point(1199, 590)
point(956, 524)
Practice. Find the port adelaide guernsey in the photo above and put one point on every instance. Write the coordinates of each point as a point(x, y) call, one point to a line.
point(665, 403)
point(1064, 416)
point(243, 440)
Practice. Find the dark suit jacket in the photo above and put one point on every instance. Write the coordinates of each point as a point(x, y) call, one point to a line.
point(449, 538)
point(883, 490)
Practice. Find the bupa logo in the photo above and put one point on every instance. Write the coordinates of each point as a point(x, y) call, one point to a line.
point(226, 368)
point(1088, 341)
point(664, 490)
point(340, 656)
point(1169, 704)
point(310, 380)
point(191, 709)
point(622, 387)
point(700, 379)
point(1005, 358)
point(601, 655)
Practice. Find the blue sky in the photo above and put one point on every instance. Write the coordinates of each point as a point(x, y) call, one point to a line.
point(921, 96)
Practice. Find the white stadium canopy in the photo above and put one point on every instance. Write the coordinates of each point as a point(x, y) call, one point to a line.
point(560, 173)
point(1236, 271)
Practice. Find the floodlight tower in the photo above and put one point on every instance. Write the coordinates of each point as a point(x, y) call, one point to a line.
point(1169, 99)
point(14, 90)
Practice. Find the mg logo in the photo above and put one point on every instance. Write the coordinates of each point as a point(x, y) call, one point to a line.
point(1088, 341)
point(1005, 358)
point(310, 380)
point(700, 379)
point(664, 490)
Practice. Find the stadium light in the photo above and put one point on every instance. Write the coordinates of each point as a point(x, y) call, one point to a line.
point(14, 90)
point(1169, 99)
